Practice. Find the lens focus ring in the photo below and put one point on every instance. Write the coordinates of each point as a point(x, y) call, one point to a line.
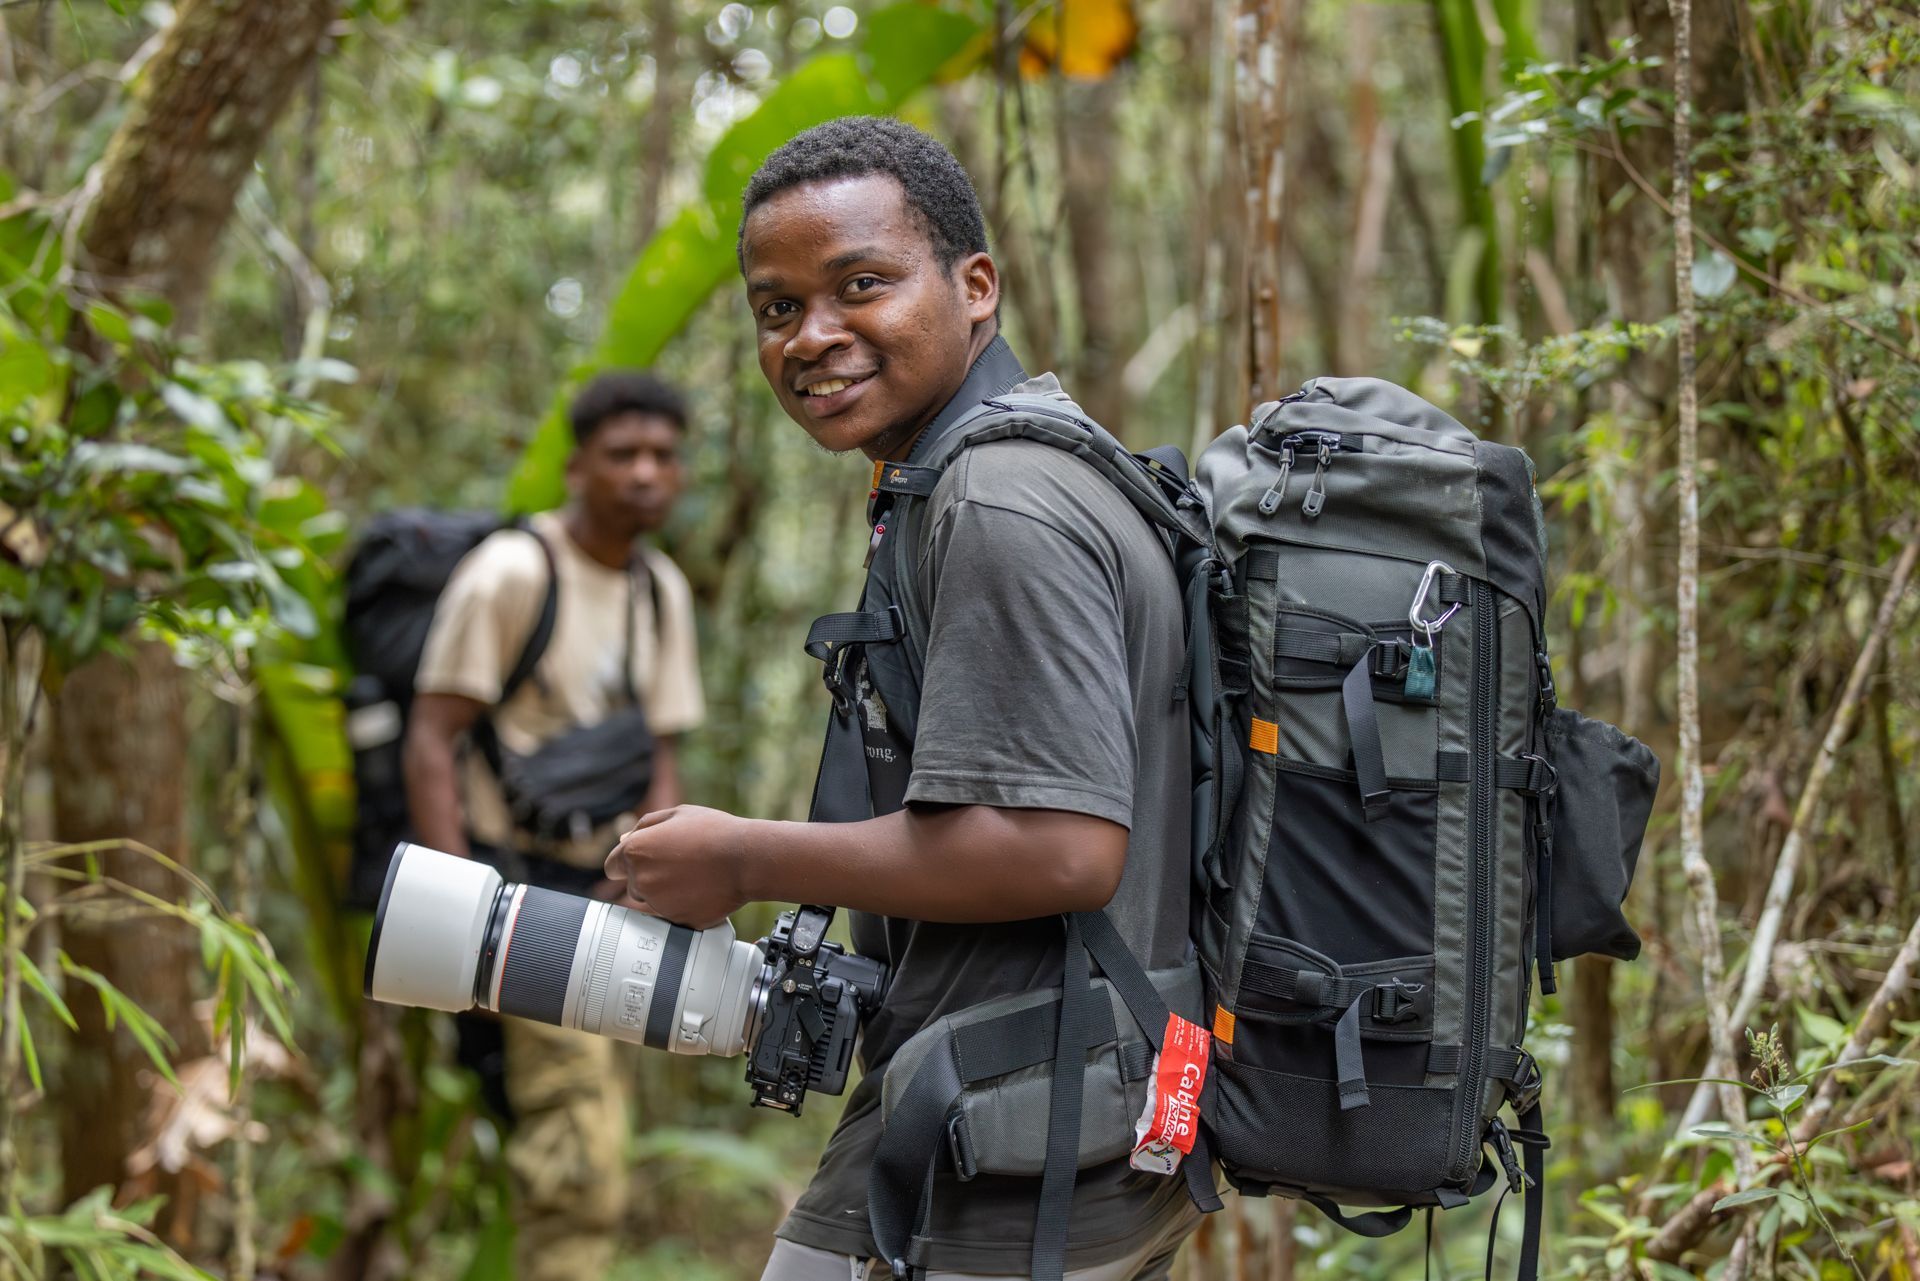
point(537, 956)
point(666, 988)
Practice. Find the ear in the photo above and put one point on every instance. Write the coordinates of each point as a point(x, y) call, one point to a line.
point(576, 473)
point(980, 286)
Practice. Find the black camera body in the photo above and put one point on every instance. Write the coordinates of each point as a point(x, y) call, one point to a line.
point(808, 1003)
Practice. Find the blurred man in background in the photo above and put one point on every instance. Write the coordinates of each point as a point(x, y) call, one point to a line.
point(621, 645)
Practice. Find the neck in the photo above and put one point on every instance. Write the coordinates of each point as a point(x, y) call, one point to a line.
point(611, 547)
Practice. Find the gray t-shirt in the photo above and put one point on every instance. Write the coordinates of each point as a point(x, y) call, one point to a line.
point(1055, 640)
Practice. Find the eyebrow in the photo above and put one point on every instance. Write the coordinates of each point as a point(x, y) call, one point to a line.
point(839, 262)
point(845, 260)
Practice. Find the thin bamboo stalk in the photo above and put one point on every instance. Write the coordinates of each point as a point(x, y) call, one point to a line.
point(1706, 901)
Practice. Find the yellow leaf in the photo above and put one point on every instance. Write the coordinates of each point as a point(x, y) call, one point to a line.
point(1085, 39)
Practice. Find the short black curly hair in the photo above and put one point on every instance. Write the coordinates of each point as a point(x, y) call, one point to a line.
point(624, 391)
point(936, 185)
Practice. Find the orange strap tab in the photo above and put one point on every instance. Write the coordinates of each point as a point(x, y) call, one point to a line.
point(879, 470)
point(1223, 1024)
point(1264, 737)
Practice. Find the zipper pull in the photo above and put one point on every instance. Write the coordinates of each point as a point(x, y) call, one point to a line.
point(1316, 498)
point(1277, 492)
point(873, 545)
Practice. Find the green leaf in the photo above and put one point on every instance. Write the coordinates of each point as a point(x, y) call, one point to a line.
point(38, 982)
point(1717, 1130)
point(901, 49)
point(1713, 274)
point(1749, 1197)
point(110, 323)
point(126, 456)
point(1786, 1097)
point(143, 1027)
point(32, 1058)
point(1815, 1026)
point(1864, 1061)
point(26, 370)
point(194, 409)
point(1691, 1080)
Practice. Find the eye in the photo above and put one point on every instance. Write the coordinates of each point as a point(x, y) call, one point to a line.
point(864, 284)
point(778, 309)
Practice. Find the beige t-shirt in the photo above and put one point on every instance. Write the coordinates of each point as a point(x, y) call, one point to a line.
point(482, 623)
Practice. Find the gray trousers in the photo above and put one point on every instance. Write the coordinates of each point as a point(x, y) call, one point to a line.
point(793, 1262)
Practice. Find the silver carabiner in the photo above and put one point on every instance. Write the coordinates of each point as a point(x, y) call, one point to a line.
point(1431, 627)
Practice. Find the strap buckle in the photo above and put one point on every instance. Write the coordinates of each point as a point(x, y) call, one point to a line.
point(1393, 1002)
point(1503, 1148)
point(1543, 770)
point(960, 1147)
point(1524, 1089)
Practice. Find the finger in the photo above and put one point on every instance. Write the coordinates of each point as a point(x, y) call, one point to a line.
point(645, 821)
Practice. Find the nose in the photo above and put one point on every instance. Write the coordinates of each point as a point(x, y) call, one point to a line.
point(647, 468)
point(819, 332)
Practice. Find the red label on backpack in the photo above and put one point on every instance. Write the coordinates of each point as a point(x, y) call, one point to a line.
point(1166, 1128)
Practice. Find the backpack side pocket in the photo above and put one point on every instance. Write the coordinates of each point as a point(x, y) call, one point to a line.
point(1607, 782)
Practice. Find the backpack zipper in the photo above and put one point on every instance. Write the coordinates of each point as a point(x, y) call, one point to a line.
point(1323, 445)
point(1316, 498)
point(1480, 826)
point(1277, 491)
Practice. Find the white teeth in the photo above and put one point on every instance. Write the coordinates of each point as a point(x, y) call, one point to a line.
point(829, 387)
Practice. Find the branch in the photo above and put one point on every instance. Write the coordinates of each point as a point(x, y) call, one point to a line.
point(1686, 1229)
point(1873, 1021)
point(1767, 932)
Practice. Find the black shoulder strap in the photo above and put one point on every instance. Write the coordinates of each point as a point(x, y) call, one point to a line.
point(542, 634)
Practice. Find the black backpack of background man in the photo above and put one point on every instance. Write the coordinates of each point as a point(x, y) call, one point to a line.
point(394, 580)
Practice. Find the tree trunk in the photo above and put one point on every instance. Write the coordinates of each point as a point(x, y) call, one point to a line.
point(1592, 1066)
point(116, 751)
point(656, 154)
point(222, 76)
point(1266, 32)
point(1087, 151)
point(170, 175)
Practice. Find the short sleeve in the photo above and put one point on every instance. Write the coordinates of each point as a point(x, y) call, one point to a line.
point(1026, 702)
point(674, 701)
point(484, 619)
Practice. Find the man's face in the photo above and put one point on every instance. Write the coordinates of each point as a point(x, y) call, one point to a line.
point(862, 334)
point(628, 473)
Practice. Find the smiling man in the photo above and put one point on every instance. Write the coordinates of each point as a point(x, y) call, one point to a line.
point(1044, 769)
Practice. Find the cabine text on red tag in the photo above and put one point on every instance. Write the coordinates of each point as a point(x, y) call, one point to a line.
point(1166, 1128)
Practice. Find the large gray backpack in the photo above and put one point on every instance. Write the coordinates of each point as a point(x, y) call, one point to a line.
point(1394, 827)
point(1411, 829)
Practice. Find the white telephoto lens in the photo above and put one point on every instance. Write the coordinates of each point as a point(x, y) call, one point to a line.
point(450, 934)
point(429, 929)
point(639, 978)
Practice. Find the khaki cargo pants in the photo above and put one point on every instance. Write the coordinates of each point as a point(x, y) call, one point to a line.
point(567, 1151)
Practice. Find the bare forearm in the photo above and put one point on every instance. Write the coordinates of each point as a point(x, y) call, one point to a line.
point(433, 795)
point(967, 864)
point(665, 791)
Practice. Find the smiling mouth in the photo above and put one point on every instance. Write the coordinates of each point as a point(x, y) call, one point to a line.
point(833, 386)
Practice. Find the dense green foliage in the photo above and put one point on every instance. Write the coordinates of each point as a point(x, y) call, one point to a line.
point(466, 207)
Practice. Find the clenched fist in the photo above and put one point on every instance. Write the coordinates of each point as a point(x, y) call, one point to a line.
point(683, 864)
